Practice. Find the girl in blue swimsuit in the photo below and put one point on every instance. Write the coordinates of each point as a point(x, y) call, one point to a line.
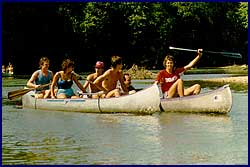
point(64, 81)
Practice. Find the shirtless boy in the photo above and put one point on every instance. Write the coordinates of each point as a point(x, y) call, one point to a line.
point(110, 78)
point(99, 68)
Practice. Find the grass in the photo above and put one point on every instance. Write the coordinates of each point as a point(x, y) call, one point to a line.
point(234, 69)
point(216, 84)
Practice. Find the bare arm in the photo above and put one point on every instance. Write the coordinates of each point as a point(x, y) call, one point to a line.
point(87, 82)
point(31, 81)
point(100, 79)
point(78, 83)
point(54, 81)
point(124, 87)
point(193, 62)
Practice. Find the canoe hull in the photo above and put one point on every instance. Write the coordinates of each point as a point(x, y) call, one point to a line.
point(146, 101)
point(216, 101)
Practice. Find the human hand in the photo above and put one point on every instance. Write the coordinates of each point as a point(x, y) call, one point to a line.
point(200, 52)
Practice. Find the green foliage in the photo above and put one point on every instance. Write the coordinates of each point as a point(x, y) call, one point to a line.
point(243, 14)
point(149, 28)
point(95, 16)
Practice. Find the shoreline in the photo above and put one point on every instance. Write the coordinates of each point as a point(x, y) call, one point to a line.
point(238, 80)
point(239, 83)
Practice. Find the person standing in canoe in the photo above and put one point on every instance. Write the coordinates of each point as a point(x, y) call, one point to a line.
point(64, 81)
point(170, 81)
point(110, 78)
point(41, 77)
point(99, 68)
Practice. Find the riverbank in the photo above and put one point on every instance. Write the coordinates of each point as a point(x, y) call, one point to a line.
point(239, 83)
point(233, 69)
point(137, 72)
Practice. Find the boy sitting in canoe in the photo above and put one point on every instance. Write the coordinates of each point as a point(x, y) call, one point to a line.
point(169, 78)
point(110, 78)
point(41, 77)
point(99, 68)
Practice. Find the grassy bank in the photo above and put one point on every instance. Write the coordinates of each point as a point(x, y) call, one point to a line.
point(239, 82)
point(234, 69)
point(236, 83)
point(137, 72)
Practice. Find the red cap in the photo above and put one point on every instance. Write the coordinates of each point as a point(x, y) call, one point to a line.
point(99, 64)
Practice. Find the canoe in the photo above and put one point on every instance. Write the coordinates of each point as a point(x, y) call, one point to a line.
point(216, 101)
point(146, 101)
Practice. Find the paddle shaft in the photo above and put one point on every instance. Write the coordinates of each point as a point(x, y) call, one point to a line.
point(228, 54)
point(21, 92)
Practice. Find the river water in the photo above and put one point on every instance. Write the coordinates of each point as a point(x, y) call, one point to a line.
point(35, 137)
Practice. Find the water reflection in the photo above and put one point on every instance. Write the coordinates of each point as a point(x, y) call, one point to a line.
point(190, 137)
point(129, 135)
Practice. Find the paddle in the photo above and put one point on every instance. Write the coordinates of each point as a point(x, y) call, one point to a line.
point(228, 54)
point(17, 93)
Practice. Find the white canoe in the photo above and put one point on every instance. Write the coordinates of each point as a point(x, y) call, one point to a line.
point(216, 101)
point(146, 101)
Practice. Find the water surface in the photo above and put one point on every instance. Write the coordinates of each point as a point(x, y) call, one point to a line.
point(54, 137)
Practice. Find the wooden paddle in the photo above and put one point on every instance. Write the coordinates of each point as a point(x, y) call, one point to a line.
point(17, 93)
point(227, 54)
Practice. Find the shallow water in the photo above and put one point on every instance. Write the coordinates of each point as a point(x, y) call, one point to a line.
point(49, 137)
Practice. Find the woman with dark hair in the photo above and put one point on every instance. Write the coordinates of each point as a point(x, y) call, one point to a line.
point(170, 81)
point(64, 81)
point(41, 77)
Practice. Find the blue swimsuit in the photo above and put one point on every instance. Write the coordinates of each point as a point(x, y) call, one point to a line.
point(41, 80)
point(65, 87)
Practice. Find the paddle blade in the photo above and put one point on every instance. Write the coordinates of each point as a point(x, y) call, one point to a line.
point(17, 93)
